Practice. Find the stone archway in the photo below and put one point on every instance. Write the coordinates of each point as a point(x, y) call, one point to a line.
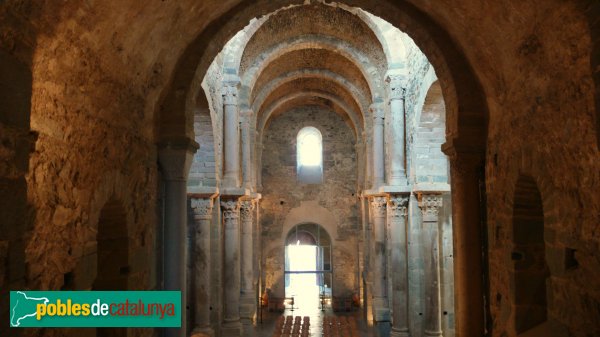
point(112, 248)
point(112, 256)
point(530, 270)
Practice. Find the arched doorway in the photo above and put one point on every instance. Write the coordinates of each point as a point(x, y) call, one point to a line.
point(112, 256)
point(308, 271)
point(529, 257)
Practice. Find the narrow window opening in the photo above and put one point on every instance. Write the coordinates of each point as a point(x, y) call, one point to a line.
point(309, 156)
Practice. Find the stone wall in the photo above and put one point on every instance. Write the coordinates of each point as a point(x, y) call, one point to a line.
point(282, 194)
point(543, 129)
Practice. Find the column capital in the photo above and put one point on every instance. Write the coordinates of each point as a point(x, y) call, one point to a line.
point(378, 113)
point(430, 203)
point(397, 84)
point(378, 204)
point(398, 205)
point(462, 148)
point(175, 157)
point(202, 208)
point(231, 209)
point(246, 113)
point(229, 93)
point(246, 208)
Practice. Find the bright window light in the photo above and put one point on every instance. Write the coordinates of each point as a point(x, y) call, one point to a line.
point(310, 150)
point(310, 155)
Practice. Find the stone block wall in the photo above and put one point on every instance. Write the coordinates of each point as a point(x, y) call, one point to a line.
point(203, 171)
point(283, 194)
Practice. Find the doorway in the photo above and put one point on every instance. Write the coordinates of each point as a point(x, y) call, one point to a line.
point(308, 272)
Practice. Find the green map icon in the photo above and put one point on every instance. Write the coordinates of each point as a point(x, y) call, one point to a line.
point(24, 307)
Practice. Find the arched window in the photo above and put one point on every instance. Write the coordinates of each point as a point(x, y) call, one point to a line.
point(309, 153)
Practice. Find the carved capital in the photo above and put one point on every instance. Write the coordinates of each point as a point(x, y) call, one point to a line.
point(229, 93)
point(430, 204)
point(202, 208)
point(231, 210)
point(378, 114)
point(378, 206)
point(397, 93)
point(175, 157)
point(246, 208)
point(397, 86)
point(398, 206)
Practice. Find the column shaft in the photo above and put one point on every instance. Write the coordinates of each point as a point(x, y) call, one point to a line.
point(175, 160)
point(397, 210)
point(202, 208)
point(430, 205)
point(378, 151)
point(378, 206)
point(231, 136)
point(247, 215)
point(247, 303)
point(397, 154)
point(258, 151)
point(246, 148)
point(231, 317)
point(468, 283)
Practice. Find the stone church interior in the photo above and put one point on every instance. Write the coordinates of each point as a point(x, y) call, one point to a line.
point(307, 168)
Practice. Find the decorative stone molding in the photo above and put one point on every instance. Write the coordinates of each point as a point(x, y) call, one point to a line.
point(202, 208)
point(231, 210)
point(175, 158)
point(398, 206)
point(430, 204)
point(230, 93)
point(397, 90)
point(378, 205)
point(246, 116)
point(378, 114)
point(246, 208)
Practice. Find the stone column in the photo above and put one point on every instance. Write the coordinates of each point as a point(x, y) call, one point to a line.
point(380, 302)
point(397, 211)
point(368, 179)
point(202, 208)
point(466, 228)
point(231, 135)
point(366, 273)
point(360, 163)
point(247, 148)
point(247, 307)
point(231, 316)
point(175, 159)
point(430, 205)
point(258, 154)
point(397, 149)
point(378, 153)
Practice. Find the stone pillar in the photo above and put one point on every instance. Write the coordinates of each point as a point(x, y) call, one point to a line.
point(397, 211)
point(368, 179)
point(258, 168)
point(202, 208)
point(397, 149)
point(430, 205)
point(175, 159)
point(360, 163)
point(378, 150)
point(366, 273)
point(231, 316)
point(247, 306)
point(381, 311)
point(247, 148)
point(466, 228)
point(231, 135)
